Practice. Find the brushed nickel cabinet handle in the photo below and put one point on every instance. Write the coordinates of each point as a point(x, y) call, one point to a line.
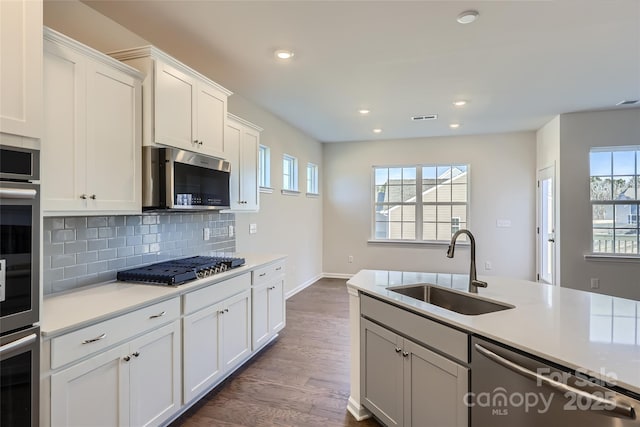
point(93, 197)
point(98, 338)
point(262, 274)
point(405, 353)
point(136, 354)
point(155, 316)
point(279, 268)
point(398, 349)
point(83, 196)
point(127, 358)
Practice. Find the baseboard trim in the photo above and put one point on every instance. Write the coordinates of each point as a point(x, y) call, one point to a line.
point(337, 276)
point(304, 285)
point(358, 411)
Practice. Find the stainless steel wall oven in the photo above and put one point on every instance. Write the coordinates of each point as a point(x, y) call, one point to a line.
point(19, 285)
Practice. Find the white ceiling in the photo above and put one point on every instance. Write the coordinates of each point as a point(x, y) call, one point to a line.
point(519, 64)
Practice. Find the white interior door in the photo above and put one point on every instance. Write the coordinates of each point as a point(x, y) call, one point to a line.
point(546, 226)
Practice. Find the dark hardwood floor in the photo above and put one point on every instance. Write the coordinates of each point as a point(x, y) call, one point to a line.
point(301, 380)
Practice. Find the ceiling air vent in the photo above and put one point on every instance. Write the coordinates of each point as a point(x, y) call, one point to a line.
point(628, 102)
point(427, 117)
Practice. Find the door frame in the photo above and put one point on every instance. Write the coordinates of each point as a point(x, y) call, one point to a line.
point(543, 173)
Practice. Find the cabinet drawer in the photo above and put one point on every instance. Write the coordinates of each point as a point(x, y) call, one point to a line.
point(214, 293)
point(442, 338)
point(80, 343)
point(265, 274)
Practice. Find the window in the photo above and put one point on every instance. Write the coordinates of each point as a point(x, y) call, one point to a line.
point(289, 173)
point(426, 203)
point(312, 178)
point(264, 166)
point(615, 198)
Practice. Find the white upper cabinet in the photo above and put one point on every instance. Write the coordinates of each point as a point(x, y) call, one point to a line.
point(182, 108)
point(90, 156)
point(242, 143)
point(21, 67)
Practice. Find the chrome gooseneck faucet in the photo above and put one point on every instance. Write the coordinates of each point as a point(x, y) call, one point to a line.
point(474, 283)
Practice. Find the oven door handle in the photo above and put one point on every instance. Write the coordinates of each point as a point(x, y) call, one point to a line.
point(18, 193)
point(618, 408)
point(18, 343)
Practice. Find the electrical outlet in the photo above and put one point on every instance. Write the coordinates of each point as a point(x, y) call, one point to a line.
point(595, 283)
point(487, 265)
point(206, 234)
point(231, 231)
point(253, 228)
point(350, 259)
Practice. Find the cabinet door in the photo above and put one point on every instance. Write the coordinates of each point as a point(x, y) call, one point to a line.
point(21, 67)
point(232, 136)
point(236, 329)
point(113, 140)
point(382, 373)
point(174, 107)
point(155, 376)
point(249, 168)
point(210, 120)
point(276, 306)
point(63, 154)
point(202, 365)
point(434, 389)
point(92, 393)
point(260, 330)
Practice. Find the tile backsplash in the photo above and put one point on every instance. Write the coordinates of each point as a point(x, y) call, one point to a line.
point(80, 251)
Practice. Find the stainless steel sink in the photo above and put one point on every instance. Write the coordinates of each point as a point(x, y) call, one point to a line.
point(450, 299)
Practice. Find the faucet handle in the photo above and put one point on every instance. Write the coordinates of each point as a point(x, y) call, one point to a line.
point(479, 283)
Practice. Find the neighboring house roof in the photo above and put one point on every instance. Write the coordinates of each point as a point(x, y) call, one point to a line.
point(432, 184)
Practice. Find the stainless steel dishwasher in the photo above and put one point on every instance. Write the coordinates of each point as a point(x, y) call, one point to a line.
point(511, 388)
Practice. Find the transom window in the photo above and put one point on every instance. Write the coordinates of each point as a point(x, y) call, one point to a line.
point(424, 203)
point(615, 198)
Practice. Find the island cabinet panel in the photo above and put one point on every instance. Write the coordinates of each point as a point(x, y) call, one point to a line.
point(404, 383)
point(21, 68)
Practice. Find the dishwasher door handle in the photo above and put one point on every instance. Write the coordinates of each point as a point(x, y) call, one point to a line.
point(618, 408)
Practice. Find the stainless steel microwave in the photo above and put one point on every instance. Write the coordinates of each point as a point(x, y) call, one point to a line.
point(179, 179)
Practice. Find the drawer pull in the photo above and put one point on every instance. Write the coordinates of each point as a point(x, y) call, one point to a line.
point(136, 354)
point(155, 316)
point(279, 268)
point(262, 274)
point(270, 288)
point(127, 358)
point(98, 338)
point(398, 349)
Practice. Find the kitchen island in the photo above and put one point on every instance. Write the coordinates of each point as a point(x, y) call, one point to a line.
point(585, 332)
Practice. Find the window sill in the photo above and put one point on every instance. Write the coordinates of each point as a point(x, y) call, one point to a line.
point(611, 257)
point(417, 242)
point(290, 192)
point(313, 195)
point(267, 190)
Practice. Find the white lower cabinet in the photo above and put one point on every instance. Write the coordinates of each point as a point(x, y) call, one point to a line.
point(268, 303)
point(136, 383)
point(405, 384)
point(216, 338)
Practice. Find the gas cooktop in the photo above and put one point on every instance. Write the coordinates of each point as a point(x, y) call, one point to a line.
point(180, 271)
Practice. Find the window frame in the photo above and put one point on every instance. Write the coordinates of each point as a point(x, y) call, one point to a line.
point(290, 175)
point(614, 204)
point(264, 167)
point(419, 204)
point(312, 184)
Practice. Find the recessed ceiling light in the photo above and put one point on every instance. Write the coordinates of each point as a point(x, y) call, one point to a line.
point(460, 103)
point(363, 112)
point(377, 130)
point(284, 54)
point(454, 125)
point(468, 16)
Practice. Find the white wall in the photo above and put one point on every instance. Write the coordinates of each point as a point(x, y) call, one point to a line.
point(286, 224)
point(290, 225)
point(502, 186)
point(578, 133)
point(548, 155)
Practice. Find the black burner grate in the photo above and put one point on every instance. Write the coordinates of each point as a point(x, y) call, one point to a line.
point(180, 271)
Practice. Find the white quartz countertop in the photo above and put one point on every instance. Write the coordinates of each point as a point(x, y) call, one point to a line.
point(63, 313)
point(596, 334)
